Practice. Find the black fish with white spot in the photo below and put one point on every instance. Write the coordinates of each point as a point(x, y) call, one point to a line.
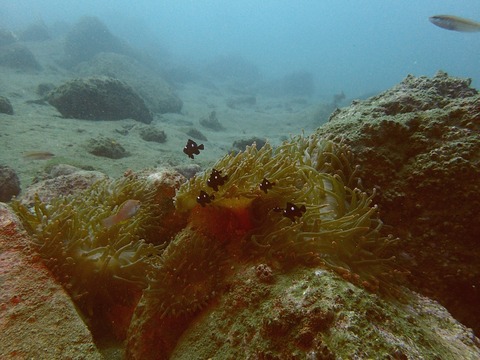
point(216, 179)
point(192, 148)
point(204, 199)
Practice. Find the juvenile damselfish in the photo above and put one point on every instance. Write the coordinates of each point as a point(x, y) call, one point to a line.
point(192, 148)
point(216, 179)
point(291, 211)
point(204, 198)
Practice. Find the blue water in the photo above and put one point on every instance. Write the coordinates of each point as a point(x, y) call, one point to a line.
point(359, 47)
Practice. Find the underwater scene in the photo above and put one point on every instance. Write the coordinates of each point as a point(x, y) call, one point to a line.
point(239, 180)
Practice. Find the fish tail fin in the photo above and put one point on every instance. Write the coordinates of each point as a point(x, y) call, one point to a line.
point(201, 147)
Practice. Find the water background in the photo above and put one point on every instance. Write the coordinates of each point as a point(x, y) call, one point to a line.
point(359, 47)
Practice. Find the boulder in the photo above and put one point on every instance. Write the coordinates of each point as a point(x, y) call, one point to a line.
point(99, 98)
point(18, 56)
point(418, 144)
point(148, 83)
point(37, 317)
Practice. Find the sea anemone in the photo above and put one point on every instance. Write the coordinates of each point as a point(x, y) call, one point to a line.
point(234, 218)
point(188, 275)
point(99, 266)
point(340, 227)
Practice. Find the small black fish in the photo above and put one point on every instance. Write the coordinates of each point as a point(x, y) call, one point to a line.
point(291, 211)
point(204, 198)
point(216, 179)
point(192, 148)
point(266, 185)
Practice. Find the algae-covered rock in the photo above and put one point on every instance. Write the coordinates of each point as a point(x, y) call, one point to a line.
point(315, 314)
point(106, 147)
point(99, 98)
point(418, 144)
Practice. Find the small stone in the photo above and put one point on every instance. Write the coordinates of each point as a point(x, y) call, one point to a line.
point(107, 147)
point(5, 106)
point(150, 133)
point(9, 183)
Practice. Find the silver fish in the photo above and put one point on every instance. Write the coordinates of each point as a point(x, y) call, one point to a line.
point(455, 23)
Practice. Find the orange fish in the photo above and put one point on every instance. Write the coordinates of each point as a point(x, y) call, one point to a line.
point(126, 211)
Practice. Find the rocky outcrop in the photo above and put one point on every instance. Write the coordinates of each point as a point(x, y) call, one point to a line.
point(418, 144)
point(265, 314)
point(99, 98)
point(37, 317)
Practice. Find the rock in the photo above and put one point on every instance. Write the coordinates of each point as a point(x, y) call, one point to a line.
point(306, 313)
point(150, 133)
point(18, 56)
point(5, 106)
point(197, 134)
point(419, 145)
point(35, 32)
point(7, 37)
point(106, 147)
point(99, 98)
point(240, 145)
point(64, 180)
point(211, 122)
point(89, 37)
point(149, 84)
point(36, 315)
point(9, 183)
point(188, 170)
point(44, 88)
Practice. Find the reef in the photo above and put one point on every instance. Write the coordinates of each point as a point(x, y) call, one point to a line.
point(418, 145)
